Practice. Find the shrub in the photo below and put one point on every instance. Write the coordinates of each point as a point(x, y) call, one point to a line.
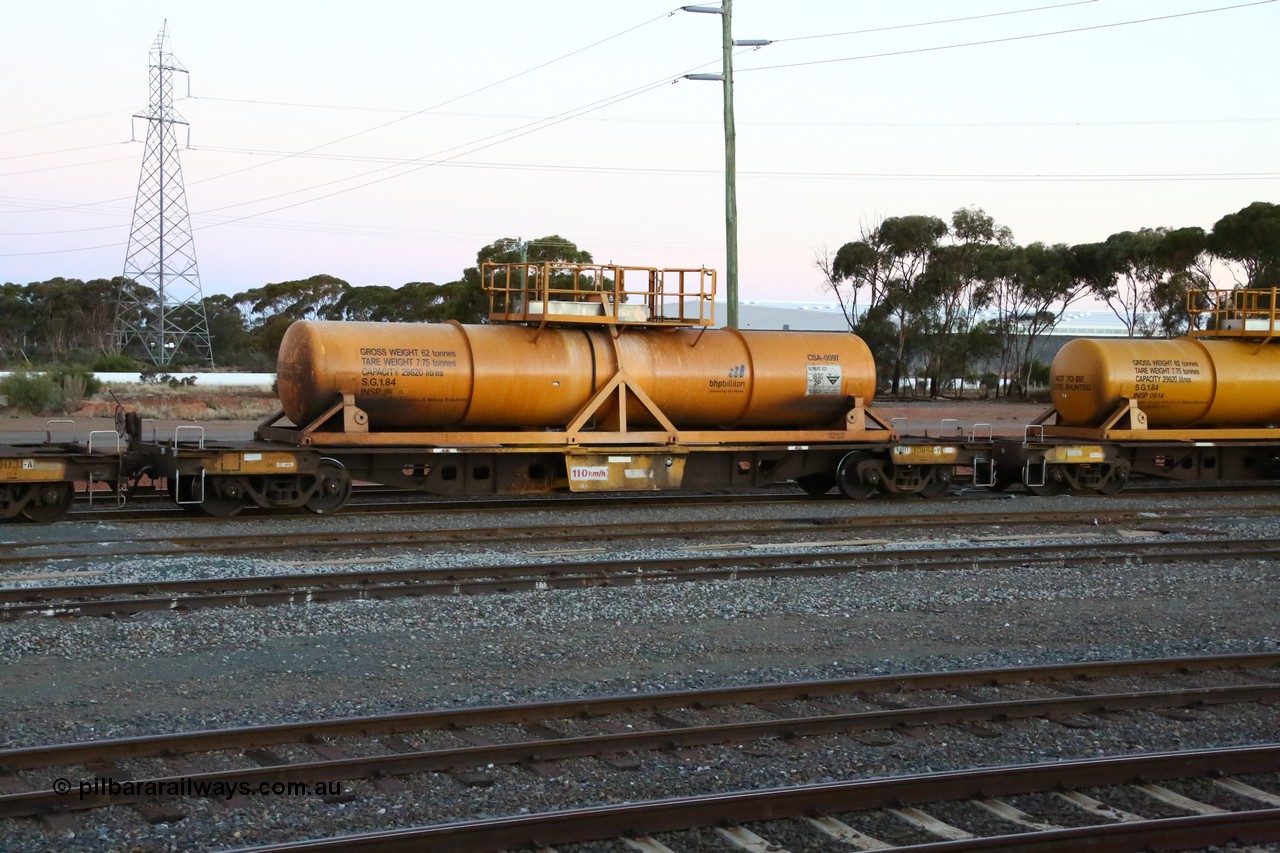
point(92, 385)
point(114, 363)
point(34, 392)
point(1039, 372)
point(73, 391)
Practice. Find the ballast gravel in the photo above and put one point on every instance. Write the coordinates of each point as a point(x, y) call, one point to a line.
point(169, 671)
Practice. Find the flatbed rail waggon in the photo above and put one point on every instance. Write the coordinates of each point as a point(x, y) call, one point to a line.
point(595, 378)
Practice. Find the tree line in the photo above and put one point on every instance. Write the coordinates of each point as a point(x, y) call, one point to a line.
point(945, 300)
point(936, 299)
point(68, 321)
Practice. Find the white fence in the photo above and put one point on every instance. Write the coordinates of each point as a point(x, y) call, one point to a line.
point(202, 380)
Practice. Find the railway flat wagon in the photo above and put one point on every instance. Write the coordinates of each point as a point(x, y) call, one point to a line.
point(585, 379)
point(598, 378)
point(39, 480)
point(1205, 407)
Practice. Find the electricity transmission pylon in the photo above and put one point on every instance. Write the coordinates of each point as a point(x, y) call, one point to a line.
point(164, 310)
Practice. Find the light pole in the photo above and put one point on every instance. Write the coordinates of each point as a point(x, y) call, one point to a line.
point(725, 11)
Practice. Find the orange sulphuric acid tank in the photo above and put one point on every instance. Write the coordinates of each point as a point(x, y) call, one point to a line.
point(448, 375)
point(1178, 383)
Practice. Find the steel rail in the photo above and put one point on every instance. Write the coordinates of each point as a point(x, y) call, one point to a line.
point(234, 543)
point(418, 502)
point(555, 749)
point(28, 758)
point(676, 815)
point(317, 587)
point(182, 544)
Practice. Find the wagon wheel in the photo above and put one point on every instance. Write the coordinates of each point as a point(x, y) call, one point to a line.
point(856, 480)
point(936, 487)
point(1115, 480)
point(333, 487)
point(816, 485)
point(10, 497)
point(223, 497)
point(49, 502)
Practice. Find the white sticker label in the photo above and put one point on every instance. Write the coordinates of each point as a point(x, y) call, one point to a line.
point(252, 457)
point(823, 379)
point(588, 472)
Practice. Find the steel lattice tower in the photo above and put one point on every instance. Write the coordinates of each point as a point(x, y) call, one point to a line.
point(164, 311)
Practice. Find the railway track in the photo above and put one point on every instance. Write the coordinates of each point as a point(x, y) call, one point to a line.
point(378, 500)
point(381, 750)
point(383, 501)
point(106, 543)
point(834, 558)
point(826, 811)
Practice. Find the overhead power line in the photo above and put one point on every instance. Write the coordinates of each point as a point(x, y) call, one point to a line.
point(656, 170)
point(371, 129)
point(425, 161)
point(454, 99)
point(66, 166)
point(935, 23)
point(63, 150)
point(63, 121)
point(790, 123)
point(1007, 38)
point(941, 177)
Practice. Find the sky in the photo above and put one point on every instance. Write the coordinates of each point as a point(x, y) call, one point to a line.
point(387, 141)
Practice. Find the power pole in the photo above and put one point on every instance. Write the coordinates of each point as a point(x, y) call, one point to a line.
point(725, 11)
point(730, 171)
point(164, 309)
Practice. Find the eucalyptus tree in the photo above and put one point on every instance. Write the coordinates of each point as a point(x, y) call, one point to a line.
point(1250, 237)
point(1190, 270)
point(16, 324)
point(270, 309)
point(908, 244)
point(1033, 286)
point(958, 286)
point(1132, 269)
point(857, 270)
point(1149, 277)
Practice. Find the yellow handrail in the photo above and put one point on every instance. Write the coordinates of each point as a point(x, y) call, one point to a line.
point(1245, 313)
point(599, 294)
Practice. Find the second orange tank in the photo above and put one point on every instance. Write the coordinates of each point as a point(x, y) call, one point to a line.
point(1179, 383)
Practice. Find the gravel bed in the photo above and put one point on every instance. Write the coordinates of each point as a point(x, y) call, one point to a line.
point(159, 672)
point(811, 525)
point(1051, 808)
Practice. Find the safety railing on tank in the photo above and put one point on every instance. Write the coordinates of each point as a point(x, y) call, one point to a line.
point(599, 294)
point(1251, 314)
